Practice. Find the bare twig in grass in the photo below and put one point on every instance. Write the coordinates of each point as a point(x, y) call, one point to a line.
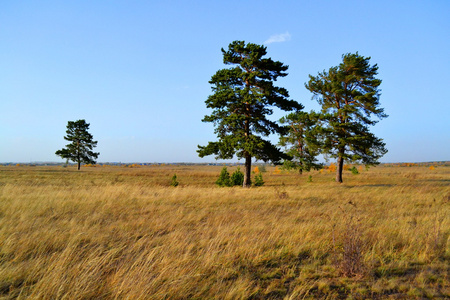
point(349, 245)
point(281, 193)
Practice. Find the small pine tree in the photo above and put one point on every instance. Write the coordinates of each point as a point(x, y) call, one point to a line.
point(174, 181)
point(80, 149)
point(354, 170)
point(301, 143)
point(259, 180)
point(237, 178)
point(224, 178)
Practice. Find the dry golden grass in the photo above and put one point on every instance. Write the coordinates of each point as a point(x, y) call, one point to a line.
point(124, 233)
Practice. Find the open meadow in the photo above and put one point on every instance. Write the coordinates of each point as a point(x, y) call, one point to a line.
point(125, 233)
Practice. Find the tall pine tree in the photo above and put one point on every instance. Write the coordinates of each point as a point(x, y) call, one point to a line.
point(243, 96)
point(81, 144)
point(349, 96)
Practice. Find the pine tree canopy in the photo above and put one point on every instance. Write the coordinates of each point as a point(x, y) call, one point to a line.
point(81, 144)
point(243, 96)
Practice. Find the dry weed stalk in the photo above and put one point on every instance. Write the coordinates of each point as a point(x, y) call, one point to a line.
point(349, 244)
point(281, 193)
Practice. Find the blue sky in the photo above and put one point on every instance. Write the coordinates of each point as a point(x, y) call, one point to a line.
point(138, 71)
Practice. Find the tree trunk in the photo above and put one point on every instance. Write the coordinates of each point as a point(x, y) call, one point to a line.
point(78, 154)
point(300, 171)
point(248, 157)
point(248, 171)
point(340, 166)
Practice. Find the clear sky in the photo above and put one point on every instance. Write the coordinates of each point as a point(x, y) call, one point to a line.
point(138, 71)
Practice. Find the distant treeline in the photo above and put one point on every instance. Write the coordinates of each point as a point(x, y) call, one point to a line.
point(131, 165)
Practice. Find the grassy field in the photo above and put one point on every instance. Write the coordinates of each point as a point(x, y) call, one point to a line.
point(125, 233)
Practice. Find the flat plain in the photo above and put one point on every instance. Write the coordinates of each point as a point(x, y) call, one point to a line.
point(122, 232)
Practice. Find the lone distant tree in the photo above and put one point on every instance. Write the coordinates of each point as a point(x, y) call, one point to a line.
point(81, 144)
point(349, 96)
point(243, 98)
point(301, 141)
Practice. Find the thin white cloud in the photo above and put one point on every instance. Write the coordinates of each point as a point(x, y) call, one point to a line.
point(278, 38)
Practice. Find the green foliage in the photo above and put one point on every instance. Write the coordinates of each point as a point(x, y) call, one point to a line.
point(82, 144)
point(301, 141)
point(354, 170)
point(237, 178)
point(310, 178)
point(259, 180)
point(224, 178)
point(349, 96)
point(243, 96)
point(174, 182)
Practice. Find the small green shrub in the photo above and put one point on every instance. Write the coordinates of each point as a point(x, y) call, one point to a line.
point(354, 170)
point(259, 180)
point(237, 178)
point(310, 178)
point(224, 178)
point(174, 181)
